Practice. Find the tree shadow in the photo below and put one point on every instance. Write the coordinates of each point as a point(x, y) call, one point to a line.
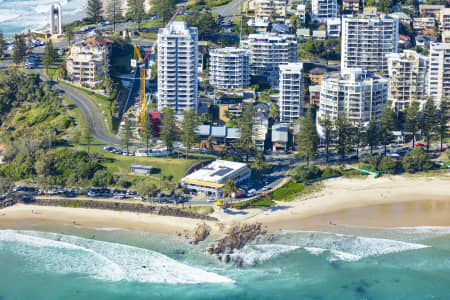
point(232, 212)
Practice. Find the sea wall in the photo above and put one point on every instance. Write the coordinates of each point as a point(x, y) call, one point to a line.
point(116, 206)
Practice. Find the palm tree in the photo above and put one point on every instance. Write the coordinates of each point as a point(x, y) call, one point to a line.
point(228, 189)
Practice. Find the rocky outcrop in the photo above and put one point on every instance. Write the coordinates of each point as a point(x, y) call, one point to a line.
point(122, 206)
point(7, 202)
point(201, 233)
point(236, 238)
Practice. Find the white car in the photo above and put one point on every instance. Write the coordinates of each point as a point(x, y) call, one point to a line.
point(139, 198)
point(210, 200)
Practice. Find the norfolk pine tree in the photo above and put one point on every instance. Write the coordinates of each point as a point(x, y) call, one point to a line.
point(168, 128)
point(327, 126)
point(412, 120)
point(94, 8)
point(307, 138)
point(372, 135)
point(19, 49)
point(136, 10)
point(246, 124)
point(343, 127)
point(147, 129)
point(428, 121)
point(442, 127)
point(189, 127)
point(387, 125)
point(2, 45)
point(127, 134)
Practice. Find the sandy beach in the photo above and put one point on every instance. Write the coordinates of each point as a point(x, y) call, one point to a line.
point(390, 201)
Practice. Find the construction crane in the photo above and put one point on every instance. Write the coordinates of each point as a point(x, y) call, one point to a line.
point(142, 77)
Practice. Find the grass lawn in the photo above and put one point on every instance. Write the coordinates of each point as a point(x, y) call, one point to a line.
point(53, 67)
point(292, 190)
point(74, 111)
point(254, 203)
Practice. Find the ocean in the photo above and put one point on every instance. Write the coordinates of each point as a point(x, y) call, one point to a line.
point(72, 262)
point(22, 15)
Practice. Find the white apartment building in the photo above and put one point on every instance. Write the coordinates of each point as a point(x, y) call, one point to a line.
point(334, 27)
point(291, 98)
point(268, 8)
point(366, 40)
point(88, 63)
point(407, 78)
point(445, 19)
point(439, 72)
point(268, 51)
point(357, 93)
point(321, 10)
point(178, 67)
point(229, 68)
point(301, 12)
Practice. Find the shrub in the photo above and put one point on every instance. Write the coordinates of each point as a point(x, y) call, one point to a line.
point(371, 162)
point(303, 173)
point(288, 191)
point(416, 160)
point(330, 172)
point(254, 203)
point(389, 166)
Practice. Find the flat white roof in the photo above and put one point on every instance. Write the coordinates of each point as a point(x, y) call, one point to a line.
point(217, 171)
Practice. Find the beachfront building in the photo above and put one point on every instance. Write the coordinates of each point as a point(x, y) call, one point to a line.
point(268, 51)
point(291, 97)
point(439, 72)
point(269, 8)
point(178, 67)
point(431, 10)
point(360, 95)
point(301, 12)
point(321, 10)
point(229, 68)
point(89, 62)
point(407, 78)
point(211, 179)
point(366, 40)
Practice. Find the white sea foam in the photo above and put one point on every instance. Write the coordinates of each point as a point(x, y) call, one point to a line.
point(346, 247)
point(333, 254)
point(102, 260)
point(257, 254)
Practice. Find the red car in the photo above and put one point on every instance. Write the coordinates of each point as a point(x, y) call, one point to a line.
point(420, 145)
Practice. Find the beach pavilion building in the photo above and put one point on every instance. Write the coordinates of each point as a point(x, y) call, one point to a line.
point(211, 179)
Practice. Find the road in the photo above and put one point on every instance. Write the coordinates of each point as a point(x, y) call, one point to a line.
point(233, 8)
point(87, 108)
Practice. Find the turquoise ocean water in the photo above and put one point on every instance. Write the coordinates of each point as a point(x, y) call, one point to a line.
point(354, 263)
point(22, 15)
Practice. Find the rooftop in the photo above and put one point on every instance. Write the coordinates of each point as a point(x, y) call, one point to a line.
point(217, 171)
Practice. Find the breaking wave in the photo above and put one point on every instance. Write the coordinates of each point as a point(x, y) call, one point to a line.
point(65, 254)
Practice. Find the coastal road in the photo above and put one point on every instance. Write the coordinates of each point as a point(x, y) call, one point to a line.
point(233, 8)
point(87, 108)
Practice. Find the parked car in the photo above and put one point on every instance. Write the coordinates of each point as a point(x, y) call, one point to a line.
point(138, 198)
point(251, 193)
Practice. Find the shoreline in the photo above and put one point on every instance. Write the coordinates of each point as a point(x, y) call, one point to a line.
point(395, 201)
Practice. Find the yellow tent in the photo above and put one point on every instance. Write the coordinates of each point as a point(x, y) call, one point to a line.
point(218, 203)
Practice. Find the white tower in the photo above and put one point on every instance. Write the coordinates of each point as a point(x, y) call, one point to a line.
point(55, 19)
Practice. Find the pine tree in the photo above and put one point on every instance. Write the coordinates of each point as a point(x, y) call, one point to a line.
point(2, 45)
point(342, 134)
point(69, 34)
point(387, 125)
point(189, 127)
point(114, 12)
point(327, 126)
point(246, 124)
point(372, 135)
point(19, 49)
point(163, 8)
point(168, 128)
point(136, 10)
point(443, 121)
point(127, 134)
point(307, 138)
point(147, 130)
point(88, 136)
point(412, 120)
point(357, 137)
point(94, 8)
point(49, 55)
point(428, 121)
